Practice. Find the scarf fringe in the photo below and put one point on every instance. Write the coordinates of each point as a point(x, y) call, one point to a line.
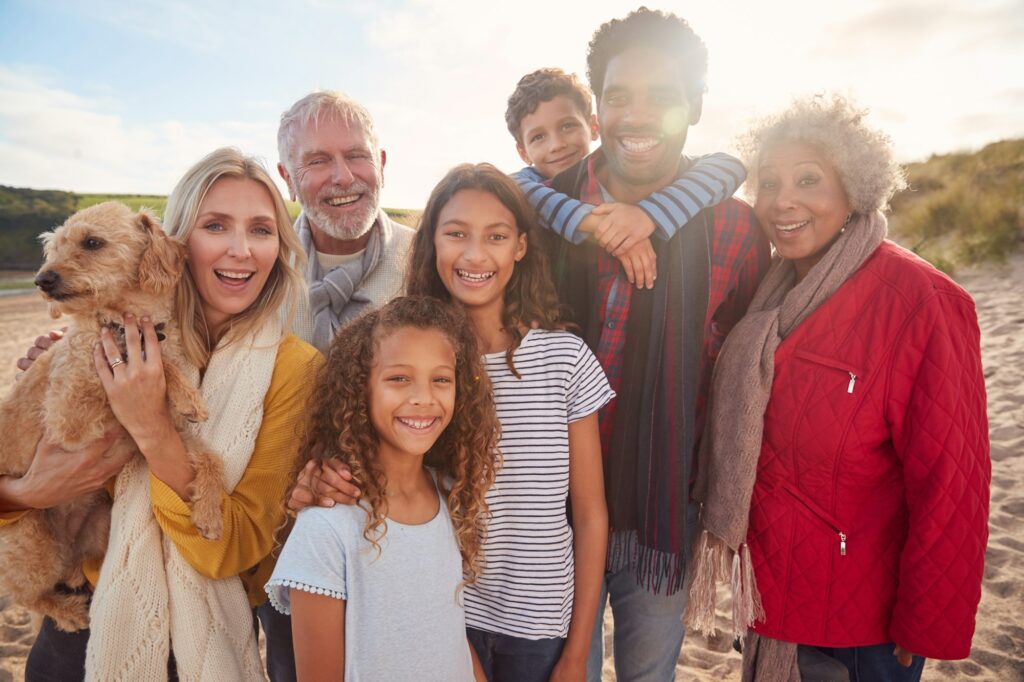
point(746, 599)
point(711, 567)
point(655, 571)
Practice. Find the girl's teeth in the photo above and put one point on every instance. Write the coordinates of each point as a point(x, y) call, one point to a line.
point(474, 276)
point(234, 275)
point(417, 423)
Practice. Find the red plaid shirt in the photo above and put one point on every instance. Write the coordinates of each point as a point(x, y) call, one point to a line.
point(739, 258)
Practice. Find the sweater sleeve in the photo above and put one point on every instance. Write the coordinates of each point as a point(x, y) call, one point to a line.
point(937, 408)
point(557, 212)
point(254, 511)
point(711, 180)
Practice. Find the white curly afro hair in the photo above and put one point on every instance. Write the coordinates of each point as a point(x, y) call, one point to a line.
point(862, 155)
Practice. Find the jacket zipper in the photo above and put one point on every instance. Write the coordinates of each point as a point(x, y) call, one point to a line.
point(820, 515)
point(828, 362)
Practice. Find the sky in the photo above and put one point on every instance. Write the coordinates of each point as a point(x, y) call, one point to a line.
point(111, 96)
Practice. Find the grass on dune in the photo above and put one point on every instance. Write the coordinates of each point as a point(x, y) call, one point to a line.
point(963, 208)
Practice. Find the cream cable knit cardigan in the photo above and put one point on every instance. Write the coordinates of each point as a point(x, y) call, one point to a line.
point(148, 596)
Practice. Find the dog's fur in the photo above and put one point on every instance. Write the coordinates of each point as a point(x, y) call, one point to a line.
point(103, 262)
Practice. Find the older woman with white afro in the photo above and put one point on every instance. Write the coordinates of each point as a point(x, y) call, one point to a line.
point(845, 465)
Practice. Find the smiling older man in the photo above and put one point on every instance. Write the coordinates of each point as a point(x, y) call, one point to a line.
point(333, 164)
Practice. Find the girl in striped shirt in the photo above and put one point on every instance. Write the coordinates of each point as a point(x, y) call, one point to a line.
point(530, 614)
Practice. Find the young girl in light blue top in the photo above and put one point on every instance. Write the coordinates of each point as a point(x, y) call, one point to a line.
point(374, 589)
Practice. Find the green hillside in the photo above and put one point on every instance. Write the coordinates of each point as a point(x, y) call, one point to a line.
point(963, 208)
point(26, 213)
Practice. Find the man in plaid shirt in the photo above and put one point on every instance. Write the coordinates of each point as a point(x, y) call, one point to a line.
point(657, 346)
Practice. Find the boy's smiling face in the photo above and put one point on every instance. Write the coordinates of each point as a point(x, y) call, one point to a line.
point(555, 136)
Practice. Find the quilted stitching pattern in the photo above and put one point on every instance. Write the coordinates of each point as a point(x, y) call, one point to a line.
point(900, 465)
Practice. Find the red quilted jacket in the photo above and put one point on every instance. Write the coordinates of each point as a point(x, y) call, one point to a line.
point(869, 517)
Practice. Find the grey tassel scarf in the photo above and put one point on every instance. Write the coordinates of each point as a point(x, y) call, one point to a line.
point(336, 297)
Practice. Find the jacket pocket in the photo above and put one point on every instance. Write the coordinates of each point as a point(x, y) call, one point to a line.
point(819, 513)
point(831, 363)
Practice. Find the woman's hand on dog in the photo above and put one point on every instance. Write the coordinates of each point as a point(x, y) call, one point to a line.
point(322, 483)
point(57, 475)
point(135, 385)
point(137, 391)
point(41, 345)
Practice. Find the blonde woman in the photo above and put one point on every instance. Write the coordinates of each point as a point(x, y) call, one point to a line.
point(165, 598)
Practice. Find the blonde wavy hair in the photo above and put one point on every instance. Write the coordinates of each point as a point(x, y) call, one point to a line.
point(862, 155)
point(466, 453)
point(284, 285)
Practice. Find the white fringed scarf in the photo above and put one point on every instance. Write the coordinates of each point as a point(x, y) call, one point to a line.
point(148, 596)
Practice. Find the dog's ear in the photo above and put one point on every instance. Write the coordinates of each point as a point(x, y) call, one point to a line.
point(47, 240)
point(163, 259)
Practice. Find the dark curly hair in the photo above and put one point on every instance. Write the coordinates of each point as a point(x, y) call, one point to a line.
point(661, 31)
point(543, 85)
point(339, 425)
point(529, 296)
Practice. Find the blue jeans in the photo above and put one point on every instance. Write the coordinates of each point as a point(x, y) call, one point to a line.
point(277, 631)
point(648, 631)
point(515, 659)
point(875, 663)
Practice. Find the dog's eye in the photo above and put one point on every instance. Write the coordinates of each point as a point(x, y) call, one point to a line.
point(92, 244)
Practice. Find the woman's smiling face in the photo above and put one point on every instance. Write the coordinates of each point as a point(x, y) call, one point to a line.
point(232, 248)
point(801, 203)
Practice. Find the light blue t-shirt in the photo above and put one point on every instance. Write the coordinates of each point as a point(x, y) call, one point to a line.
point(403, 618)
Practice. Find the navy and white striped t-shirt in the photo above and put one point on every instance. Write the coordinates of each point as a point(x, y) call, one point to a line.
point(525, 587)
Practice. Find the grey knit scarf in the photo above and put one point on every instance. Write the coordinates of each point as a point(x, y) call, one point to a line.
point(337, 296)
point(731, 444)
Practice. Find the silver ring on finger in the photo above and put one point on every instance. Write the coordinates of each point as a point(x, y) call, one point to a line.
point(115, 362)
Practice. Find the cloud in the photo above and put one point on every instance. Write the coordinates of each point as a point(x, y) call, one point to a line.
point(167, 21)
point(53, 138)
point(436, 75)
point(901, 29)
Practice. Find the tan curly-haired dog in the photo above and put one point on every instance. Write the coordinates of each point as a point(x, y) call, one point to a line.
point(103, 262)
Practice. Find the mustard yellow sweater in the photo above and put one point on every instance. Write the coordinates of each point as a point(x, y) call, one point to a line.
point(255, 510)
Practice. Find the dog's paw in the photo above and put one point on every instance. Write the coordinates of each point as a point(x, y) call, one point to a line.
point(207, 521)
point(191, 408)
point(185, 399)
point(71, 612)
point(199, 414)
point(75, 579)
point(206, 518)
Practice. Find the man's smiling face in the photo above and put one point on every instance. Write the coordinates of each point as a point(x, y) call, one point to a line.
point(337, 174)
point(644, 113)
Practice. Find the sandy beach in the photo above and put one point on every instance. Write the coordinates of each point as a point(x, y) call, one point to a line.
point(998, 651)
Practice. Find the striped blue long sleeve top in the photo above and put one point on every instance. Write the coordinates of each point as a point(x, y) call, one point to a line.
point(709, 181)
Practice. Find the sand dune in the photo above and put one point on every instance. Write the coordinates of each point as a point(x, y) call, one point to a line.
point(998, 652)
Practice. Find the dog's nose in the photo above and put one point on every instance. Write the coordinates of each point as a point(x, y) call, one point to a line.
point(47, 280)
